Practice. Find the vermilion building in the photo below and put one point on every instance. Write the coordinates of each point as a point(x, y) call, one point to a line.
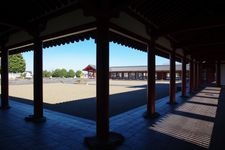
point(136, 72)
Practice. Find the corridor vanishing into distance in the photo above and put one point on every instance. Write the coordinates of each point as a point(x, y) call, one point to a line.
point(194, 123)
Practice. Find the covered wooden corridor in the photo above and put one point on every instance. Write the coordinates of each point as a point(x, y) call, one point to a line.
point(186, 31)
point(195, 123)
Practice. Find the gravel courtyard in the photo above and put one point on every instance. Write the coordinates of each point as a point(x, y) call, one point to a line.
point(78, 98)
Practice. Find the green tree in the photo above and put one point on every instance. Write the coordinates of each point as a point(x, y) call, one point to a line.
point(63, 72)
point(79, 73)
point(47, 73)
point(59, 73)
point(17, 63)
point(56, 73)
point(70, 73)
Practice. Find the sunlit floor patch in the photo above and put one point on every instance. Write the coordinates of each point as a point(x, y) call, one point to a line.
point(204, 100)
point(192, 130)
point(198, 109)
point(192, 121)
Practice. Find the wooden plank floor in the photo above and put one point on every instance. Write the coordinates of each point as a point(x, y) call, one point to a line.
point(196, 123)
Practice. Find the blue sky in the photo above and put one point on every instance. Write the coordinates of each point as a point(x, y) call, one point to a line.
point(78, 55)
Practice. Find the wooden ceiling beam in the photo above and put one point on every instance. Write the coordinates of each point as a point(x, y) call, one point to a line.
point(200, 44)
point(180, 28)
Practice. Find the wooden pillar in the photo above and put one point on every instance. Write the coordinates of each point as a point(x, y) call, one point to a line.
point(172, 91)
point(196, 75)
point(218, 73)
point(184, 73)
point(38, 83)
point(191, 76)
point(136, 75)
point(151, 113)
point(102, 86)
point(103, 139)
point(4, 78)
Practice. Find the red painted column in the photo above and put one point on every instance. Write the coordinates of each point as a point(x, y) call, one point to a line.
point(218, 73)
point(4, 78)
point(102, 86)
point(151, 80)
point(104, 138)
point(38, 83)
point(172, 91)
point(184, 72)
point(191, 76)
point(196, 75)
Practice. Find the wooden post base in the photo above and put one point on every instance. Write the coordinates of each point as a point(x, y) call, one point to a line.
point(31, 118)
point(155, 115)
point(114, 140)
point(5, 107)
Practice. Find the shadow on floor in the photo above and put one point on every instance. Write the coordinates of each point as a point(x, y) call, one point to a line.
point(119, 103)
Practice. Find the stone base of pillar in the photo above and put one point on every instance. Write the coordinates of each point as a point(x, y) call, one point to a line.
point(114, 140)
point(4, 107)
point(184, 96)
point(31, 118)
point(172, 103)
point(146, 115)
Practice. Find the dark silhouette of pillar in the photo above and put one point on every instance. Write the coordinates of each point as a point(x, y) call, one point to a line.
point(104, 139)
point(4, 78)
point(194, 75)
point(38, 83)
point(184, 73)
point(197, 75)
point(191, 76)
point(172, 78)
point(218, 74)
point(102, 79)
point(151, 113)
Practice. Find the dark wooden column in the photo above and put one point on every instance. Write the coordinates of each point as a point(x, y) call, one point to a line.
point(104, 138)
point(38, 83)
point(4, 78)
point(151, 113)
point(102, 79)
point(191, 76)
point(172, 91)
point(184, 73)
point(218, 74)
point(194, 75)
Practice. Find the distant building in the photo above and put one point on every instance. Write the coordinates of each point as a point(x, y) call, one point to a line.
point(13, 76)
point(136, 72)
point(28, 75)
point(91, 71)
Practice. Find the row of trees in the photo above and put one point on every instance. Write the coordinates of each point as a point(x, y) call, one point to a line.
point(17, 64)
point(62, 73)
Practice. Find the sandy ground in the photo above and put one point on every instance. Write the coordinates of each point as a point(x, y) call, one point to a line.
point(79, 99)
point(62, 92)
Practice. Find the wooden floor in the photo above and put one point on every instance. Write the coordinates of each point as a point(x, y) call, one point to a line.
point(195, 123)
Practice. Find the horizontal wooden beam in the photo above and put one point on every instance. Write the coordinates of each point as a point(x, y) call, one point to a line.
point(200, 44)
point(187, 27)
